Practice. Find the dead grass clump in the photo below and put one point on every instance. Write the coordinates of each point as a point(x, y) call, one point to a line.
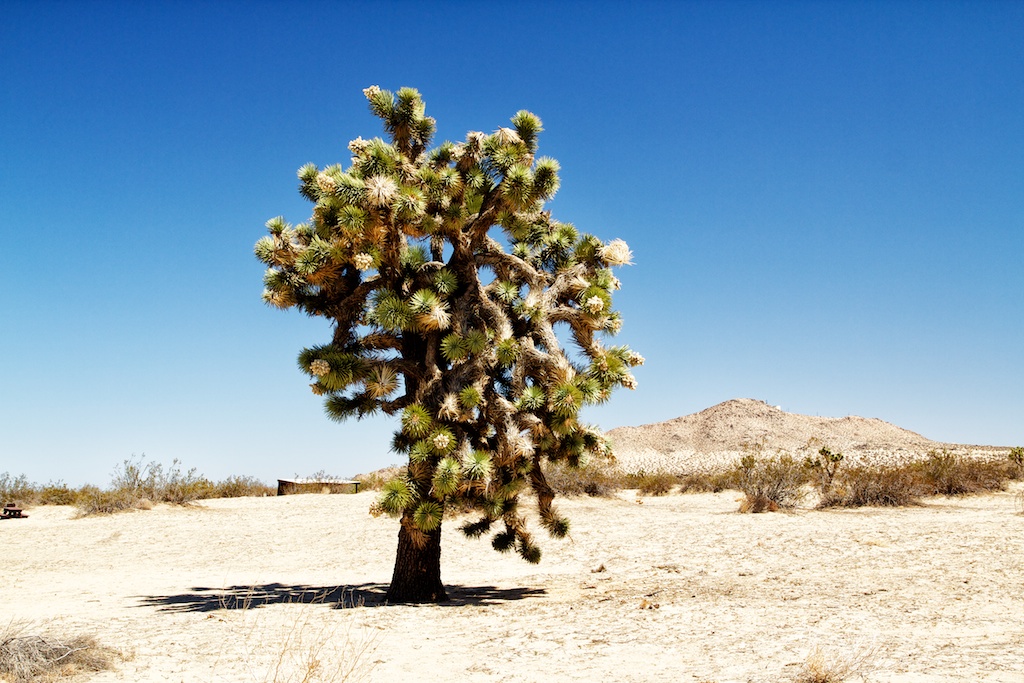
point(883, 486)
point(306, 647)
point(822, 666)
point(769, 484)
point(595, 479)
point(31, 658)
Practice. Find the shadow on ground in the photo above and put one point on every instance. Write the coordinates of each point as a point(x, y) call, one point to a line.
point(203, 599)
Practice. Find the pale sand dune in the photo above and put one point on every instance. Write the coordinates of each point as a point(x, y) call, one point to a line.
point(717, 437)
point(935, 589)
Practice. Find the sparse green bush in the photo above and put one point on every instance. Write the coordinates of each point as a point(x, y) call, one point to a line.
point(769, 484)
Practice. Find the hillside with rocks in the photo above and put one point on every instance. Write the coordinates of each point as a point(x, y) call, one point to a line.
point(717, 437)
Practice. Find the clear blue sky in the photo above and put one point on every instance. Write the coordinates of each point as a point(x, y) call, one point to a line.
point(825, 202)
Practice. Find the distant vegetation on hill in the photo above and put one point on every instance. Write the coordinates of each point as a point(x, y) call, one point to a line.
point(136, 484)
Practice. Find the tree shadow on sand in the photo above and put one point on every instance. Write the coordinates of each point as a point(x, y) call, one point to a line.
point(204, 599)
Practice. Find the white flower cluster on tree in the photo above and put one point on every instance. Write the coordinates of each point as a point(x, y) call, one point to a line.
point(362, 261)
point(617, 253)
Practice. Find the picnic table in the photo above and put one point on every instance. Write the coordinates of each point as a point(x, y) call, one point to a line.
point(12, 511)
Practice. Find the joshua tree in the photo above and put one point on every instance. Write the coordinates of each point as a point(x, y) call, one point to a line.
point(444, 280)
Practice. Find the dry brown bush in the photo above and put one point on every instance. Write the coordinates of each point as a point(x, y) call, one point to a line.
point(135, 484)
point(769, 484)
point(242, 486)
point(93, 500)
point(596, 479)
point(942, 473)
point(56, 493)
point(948, 474)
point(36, 658)
point(652, 483)
point(824, 666)
point(706, 482)
point(883, 486)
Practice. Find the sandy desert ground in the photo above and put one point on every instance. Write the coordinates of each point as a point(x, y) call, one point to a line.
point(245, 589)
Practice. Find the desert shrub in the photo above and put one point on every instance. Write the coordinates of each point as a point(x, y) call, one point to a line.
point(652, 483)
point(133, 486)
point(948, 474)
point(93, 500)
point(133, 477)
point(57, 493)
point(594, 479)
point(1016, 462)
point(32, 658)
point(175, 486)
point(706, 482)
point(137, 480)
point(241, 486)
point(769, 484)
point(17, 490)
point(872, 486)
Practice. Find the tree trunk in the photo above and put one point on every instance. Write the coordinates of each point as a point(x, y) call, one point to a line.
point(417, 576)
